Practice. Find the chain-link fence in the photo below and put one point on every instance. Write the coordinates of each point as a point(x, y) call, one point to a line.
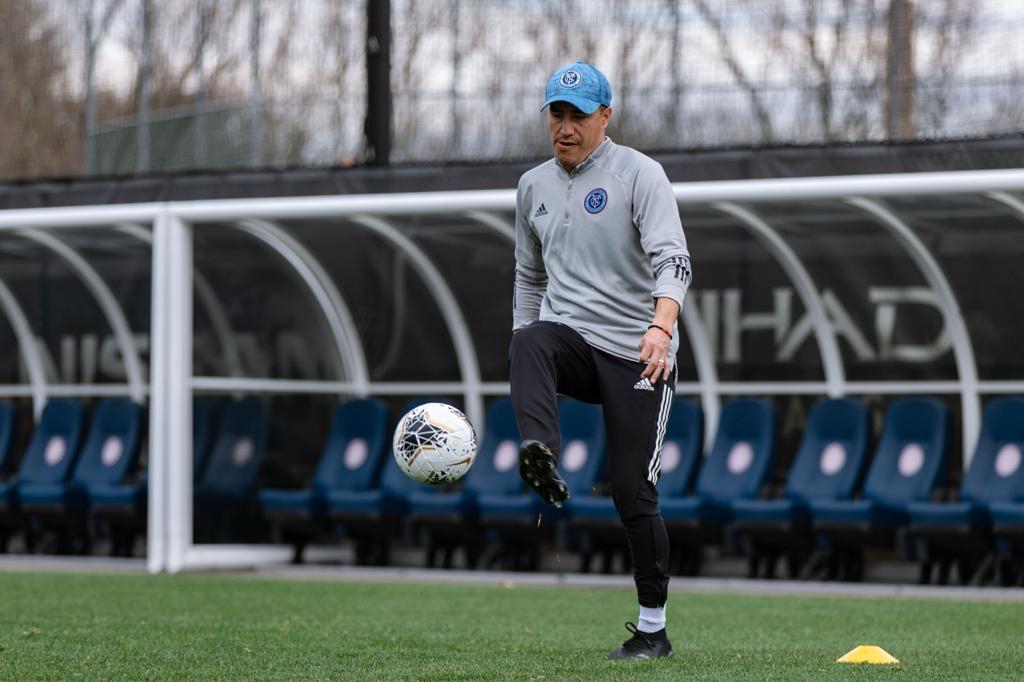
point(122, 86)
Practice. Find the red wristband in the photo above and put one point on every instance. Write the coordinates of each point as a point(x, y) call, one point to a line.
point(658, 326)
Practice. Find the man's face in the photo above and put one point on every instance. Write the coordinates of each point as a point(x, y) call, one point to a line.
point(574, 135)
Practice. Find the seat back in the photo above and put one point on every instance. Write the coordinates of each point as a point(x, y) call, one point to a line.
point(355, 445)
point(682, 448)
point(741, 455)
point(53, 447)
point(833, 451)
point(581, 459)
point(111, 449)
point(496, 468)
point(238, 449)
point(6, 433)
point(911, 452)
point(202, 435)
point(996, 473)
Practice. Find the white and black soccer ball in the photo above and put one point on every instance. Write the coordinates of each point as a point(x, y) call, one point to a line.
point(434, 443)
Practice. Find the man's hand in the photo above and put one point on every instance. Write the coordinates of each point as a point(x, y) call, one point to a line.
point(654, 354)
point(655, 343)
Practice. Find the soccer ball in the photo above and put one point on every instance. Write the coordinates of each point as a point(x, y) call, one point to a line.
point(434, 443)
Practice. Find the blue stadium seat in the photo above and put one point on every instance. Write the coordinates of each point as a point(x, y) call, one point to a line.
point(595, 517)
point(6, 464)
point(1008, 528)
point(450, 517)
point(122, 507)
point(372, 516)
point(6, 435)
point(110, 452)
point(682, 450)
point(225, 501)
point(350, 461)
point(202, 435)
point(829, 465)
point(385, 501)
point(737, 466)
point(514, 516)
point(906, 468)
point(49, 459)
point(960, 532)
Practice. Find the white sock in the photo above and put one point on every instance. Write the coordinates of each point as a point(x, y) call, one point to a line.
point(651, 620)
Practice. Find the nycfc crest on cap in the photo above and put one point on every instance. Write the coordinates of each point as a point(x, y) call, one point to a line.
point(581, 85)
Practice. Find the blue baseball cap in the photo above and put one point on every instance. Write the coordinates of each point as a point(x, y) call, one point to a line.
point(581, 85)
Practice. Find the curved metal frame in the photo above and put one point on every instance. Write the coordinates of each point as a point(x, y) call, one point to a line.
point(963, 350)
point(27, 345)
point(465, 351)
point(707, 373)
point(704, 358)
point(351, 358)
point(112, 310)
point(1007, 199)
point(496, 223)
point(208, 299)
point(171, 370)
point(831, 359)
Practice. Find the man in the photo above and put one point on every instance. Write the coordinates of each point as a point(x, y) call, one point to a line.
point(601, 272)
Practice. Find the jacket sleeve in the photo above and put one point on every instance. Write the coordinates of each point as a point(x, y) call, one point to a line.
point(656, 216)
point(531, 278)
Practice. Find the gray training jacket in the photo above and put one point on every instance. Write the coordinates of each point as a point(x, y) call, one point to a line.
point(596, 247)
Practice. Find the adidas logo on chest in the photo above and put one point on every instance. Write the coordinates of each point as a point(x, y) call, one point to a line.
point(541, 210)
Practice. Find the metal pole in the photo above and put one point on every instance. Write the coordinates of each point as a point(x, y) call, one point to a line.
point(178, 399)
point(899, 71)
point(170, 431)
point(906, 68)
point(256, 92)
point(90, 93)
point(156, 514)
point(377, 128)
point(456, 73)
point(142, 161)
point(677, 76)
point(199, 114)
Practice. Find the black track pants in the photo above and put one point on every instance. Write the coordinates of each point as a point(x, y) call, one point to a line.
point(545, 359)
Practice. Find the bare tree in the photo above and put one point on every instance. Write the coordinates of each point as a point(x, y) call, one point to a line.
point(341, 38)
point(727, 53)
point(174, 65)
point(416, 125)
point(836, 52)
point(40, 121)
point(950, 28)
point(755, 71)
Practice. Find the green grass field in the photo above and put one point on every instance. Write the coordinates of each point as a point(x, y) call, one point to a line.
point(65, 626)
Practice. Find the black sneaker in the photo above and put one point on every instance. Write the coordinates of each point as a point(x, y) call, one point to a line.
point(643, 645)
point(537, 467)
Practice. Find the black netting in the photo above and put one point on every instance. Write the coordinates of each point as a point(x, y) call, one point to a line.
point(255, 84)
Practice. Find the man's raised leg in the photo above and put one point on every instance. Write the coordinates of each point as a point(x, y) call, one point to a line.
point(546, 359)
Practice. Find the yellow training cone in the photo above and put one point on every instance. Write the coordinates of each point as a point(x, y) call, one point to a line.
point(868, 653)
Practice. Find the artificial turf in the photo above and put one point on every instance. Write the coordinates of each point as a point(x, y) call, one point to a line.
point(67, 626)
